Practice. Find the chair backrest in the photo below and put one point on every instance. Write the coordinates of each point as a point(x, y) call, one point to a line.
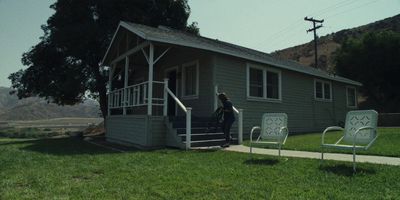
point(271, 124)
point(357, 119)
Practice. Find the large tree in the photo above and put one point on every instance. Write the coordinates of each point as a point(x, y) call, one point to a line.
point(374, 60)
point(64, 66)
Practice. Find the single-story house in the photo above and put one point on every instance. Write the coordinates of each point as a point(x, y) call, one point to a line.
point(162, 81)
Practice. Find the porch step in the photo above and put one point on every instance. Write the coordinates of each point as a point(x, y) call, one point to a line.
point(209, 143)
point(182, 124)
point(201, 134)
point(198, 130)
point(206, 143)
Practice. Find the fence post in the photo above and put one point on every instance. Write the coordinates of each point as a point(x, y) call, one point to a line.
point(188, 127)
point(240, 126)
point(165, 97)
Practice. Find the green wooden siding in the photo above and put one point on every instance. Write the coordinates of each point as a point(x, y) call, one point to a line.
point(304, 112)
point(203, 105)
point(127, 128)
point(137, 130)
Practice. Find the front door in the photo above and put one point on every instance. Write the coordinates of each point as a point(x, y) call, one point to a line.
point(171, 75)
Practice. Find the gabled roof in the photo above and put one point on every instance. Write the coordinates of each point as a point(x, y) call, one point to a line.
point(181, 38)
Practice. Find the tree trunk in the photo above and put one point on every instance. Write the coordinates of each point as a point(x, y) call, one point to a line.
point(101, 88)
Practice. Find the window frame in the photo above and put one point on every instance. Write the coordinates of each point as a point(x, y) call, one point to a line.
point(323, 90)
point(184, 66)
point(264, 75)
point(355, 97)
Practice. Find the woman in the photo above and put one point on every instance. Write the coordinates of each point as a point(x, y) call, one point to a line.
point(229, 117)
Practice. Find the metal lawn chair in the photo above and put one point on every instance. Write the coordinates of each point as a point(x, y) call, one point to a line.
point(359, 133)
point(273, 130)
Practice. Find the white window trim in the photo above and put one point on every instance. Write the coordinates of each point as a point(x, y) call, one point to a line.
point(355, 96)
point(196, 95)
point(264, 71)
point(323, 90)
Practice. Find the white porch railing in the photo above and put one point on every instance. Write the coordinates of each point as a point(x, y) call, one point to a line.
point(187, 110)
point(239, 113)
point(133, 96)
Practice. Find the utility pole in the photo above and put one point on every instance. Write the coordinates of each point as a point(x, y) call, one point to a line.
point(314, 21)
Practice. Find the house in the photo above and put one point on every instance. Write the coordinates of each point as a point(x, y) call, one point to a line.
point(162, 86)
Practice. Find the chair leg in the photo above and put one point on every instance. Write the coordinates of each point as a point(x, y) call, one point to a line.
point(322, 156)
point(251, 151)
point(279, 151)
point(354, 160)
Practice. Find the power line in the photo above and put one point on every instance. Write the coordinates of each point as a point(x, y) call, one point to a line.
point(333, 7)
point(352, 9)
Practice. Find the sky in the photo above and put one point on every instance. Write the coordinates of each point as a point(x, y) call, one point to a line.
point(265, 25)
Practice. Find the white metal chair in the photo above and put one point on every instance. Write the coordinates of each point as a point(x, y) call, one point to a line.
point(273, 130)
point(359, 133)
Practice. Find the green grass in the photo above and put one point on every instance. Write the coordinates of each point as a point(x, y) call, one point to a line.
point(387, 144)
point(69, 168)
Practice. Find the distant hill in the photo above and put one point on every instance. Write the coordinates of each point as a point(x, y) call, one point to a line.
point(33, 108)
point(328, 44)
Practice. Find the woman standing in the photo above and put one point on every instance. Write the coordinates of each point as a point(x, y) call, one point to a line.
point(229, 118)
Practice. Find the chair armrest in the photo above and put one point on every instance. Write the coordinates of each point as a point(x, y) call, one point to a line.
point(331, 128)
point(287, 133)
point(251, 132)
point(358, 131)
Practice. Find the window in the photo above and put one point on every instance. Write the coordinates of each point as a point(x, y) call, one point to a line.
point(272, 85)
point(190, 80)
point(351, 97)
point(256, 83)
point(263, 83)
point(322, 90)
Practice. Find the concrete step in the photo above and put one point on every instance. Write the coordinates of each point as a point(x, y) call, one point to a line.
point(203, 136)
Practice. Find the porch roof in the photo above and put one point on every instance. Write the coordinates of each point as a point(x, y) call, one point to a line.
point(176, 37)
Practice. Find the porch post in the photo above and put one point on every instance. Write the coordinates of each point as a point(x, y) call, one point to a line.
point(165, 97)
point(150, 82)
point(125, 92)
point(240, 126)
point(215, 97)
point(110, 75)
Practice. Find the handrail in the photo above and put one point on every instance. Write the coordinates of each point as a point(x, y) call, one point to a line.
point(142, 83)
point(132, 96)
point(176, 99)
point(188, 111)
point(236, 110)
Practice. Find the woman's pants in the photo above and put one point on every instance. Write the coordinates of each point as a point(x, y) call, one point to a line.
point(226, 128)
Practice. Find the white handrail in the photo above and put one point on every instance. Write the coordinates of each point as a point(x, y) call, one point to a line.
point(176, 99)
point(132, 96)
point(187, 110)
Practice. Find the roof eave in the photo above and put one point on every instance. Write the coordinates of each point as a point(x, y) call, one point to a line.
point(128, 27)
point(253, 59)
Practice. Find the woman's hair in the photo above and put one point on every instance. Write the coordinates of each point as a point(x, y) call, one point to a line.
point(222, 96)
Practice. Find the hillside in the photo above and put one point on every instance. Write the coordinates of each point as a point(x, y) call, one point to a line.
point(328, 44)
point(34, 108)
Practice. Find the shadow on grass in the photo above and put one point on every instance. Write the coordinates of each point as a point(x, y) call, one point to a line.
point(62, 146)
point(261, 161)
point(347, 170)
point(65, 146)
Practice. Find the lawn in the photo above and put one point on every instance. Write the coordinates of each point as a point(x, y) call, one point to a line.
point(387, 144)
point(69, 168)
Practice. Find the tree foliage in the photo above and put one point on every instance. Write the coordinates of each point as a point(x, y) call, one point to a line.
point(373, 60)
point(64, 65)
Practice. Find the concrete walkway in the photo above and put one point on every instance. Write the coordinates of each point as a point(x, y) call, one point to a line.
point(328, 156)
